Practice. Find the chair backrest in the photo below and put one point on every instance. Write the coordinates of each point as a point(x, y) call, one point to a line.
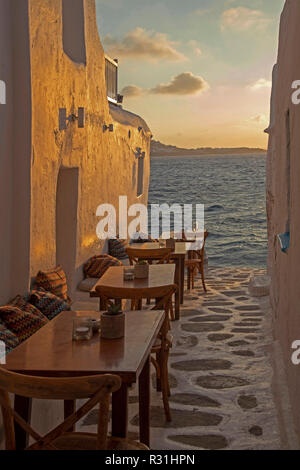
point(162, 255)
point(120, 293)
point(162, 296)
point(97, 389)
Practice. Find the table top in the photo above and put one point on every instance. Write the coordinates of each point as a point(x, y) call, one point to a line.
point(52, 352)
point(159, 275)
point(180, 247)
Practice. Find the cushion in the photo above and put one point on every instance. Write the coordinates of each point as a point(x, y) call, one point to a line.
point(49, 304)
point(9, 339)
point(117, 248)
point(53, 281)
point(24, 305)
point(98, 265)
point(87, 284)
point(22, 324)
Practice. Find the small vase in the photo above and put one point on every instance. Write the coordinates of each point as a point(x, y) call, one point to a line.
point(141, 271)
point(112, 326)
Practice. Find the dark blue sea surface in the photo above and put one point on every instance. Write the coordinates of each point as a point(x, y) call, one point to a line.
point(232, 188)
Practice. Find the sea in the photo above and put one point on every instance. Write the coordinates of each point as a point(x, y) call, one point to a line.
point(232, 189)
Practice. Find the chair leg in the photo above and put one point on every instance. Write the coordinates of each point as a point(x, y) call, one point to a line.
point(171, 312)
point(158, 376)
point(193, 278)
point(189, 279)
point(202, 277)
point(164, 384)
point(148, 301)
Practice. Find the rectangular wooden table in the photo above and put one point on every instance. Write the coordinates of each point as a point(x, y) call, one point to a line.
point(51, 352)
point(160, 275)
point(178, 256)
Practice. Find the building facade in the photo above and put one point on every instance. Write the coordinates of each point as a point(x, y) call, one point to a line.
point(283, 203)
point(65, 149)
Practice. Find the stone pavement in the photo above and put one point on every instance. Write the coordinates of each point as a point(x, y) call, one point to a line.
point(220, 372)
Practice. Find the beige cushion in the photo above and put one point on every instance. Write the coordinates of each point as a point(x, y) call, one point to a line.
point(87, 284)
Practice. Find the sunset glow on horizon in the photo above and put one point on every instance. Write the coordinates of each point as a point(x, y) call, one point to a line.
point(199, 72)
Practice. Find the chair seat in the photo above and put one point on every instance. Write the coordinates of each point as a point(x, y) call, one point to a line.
point(157, 344)
point(193, 261)
point(87, 284)
point(88, 441)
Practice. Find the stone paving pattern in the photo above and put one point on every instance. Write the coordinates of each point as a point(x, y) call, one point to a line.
point(220, 372)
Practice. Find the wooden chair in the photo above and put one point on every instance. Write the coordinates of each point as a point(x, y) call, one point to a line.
point(97, 389)
point(163, 344)
point(160, 255)
point(195, 263)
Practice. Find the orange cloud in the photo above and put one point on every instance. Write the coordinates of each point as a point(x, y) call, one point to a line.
point(185, 83)
point(143, 44)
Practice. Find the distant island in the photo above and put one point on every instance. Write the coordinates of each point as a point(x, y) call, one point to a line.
point(161, 150)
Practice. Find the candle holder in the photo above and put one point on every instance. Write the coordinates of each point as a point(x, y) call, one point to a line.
point(82, 329)
point(128, 274)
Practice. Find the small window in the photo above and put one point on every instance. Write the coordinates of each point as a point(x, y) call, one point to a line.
point(73, 30)
point(140, 178)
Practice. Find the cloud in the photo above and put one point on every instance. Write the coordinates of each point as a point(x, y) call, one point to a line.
point(201, 11)
point(183, 84)
point(143, 44)
point(260, 118)
point(243, 19)
point(132, 91)
point(260, 84)
point(195, 46)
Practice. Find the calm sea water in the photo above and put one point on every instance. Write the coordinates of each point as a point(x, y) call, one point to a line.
point(233, 192)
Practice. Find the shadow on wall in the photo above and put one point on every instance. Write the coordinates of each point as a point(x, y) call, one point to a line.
point(73, 30)
point(66, 222)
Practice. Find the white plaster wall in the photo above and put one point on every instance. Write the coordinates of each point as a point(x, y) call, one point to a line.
point(106, 161)
point(285, 268)
point(5, 152)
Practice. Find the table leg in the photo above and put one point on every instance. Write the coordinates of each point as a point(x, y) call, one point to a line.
point(182, 268)
point(144, 404)
point(102, 304)
point(69, 409)
point(23, 407)
point(120, 412)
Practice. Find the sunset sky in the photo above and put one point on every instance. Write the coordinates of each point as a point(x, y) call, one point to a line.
point(198, 71)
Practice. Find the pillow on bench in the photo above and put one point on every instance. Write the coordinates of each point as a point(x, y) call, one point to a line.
point(24, 305)
point(9, 338)
point(54, 281)
point(117, 248)
point(22, 324)
point(98, 265)
point(49, 304)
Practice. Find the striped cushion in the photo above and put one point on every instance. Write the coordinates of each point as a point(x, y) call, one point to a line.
point(47, 303)
point(117, 248)
point(53, 281)
point(98, 265)
point(9, 339)
point(22, 324)
point(26, 306)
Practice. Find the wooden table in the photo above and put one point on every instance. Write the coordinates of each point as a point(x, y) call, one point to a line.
point(160, 275)
point(51, 352)
point(178, 256)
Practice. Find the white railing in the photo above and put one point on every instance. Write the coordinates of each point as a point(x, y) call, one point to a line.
point(111, 76)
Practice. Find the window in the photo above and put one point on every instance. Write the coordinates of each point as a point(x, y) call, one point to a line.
point(140, 178)
point(2, 92)
point(73, 30)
